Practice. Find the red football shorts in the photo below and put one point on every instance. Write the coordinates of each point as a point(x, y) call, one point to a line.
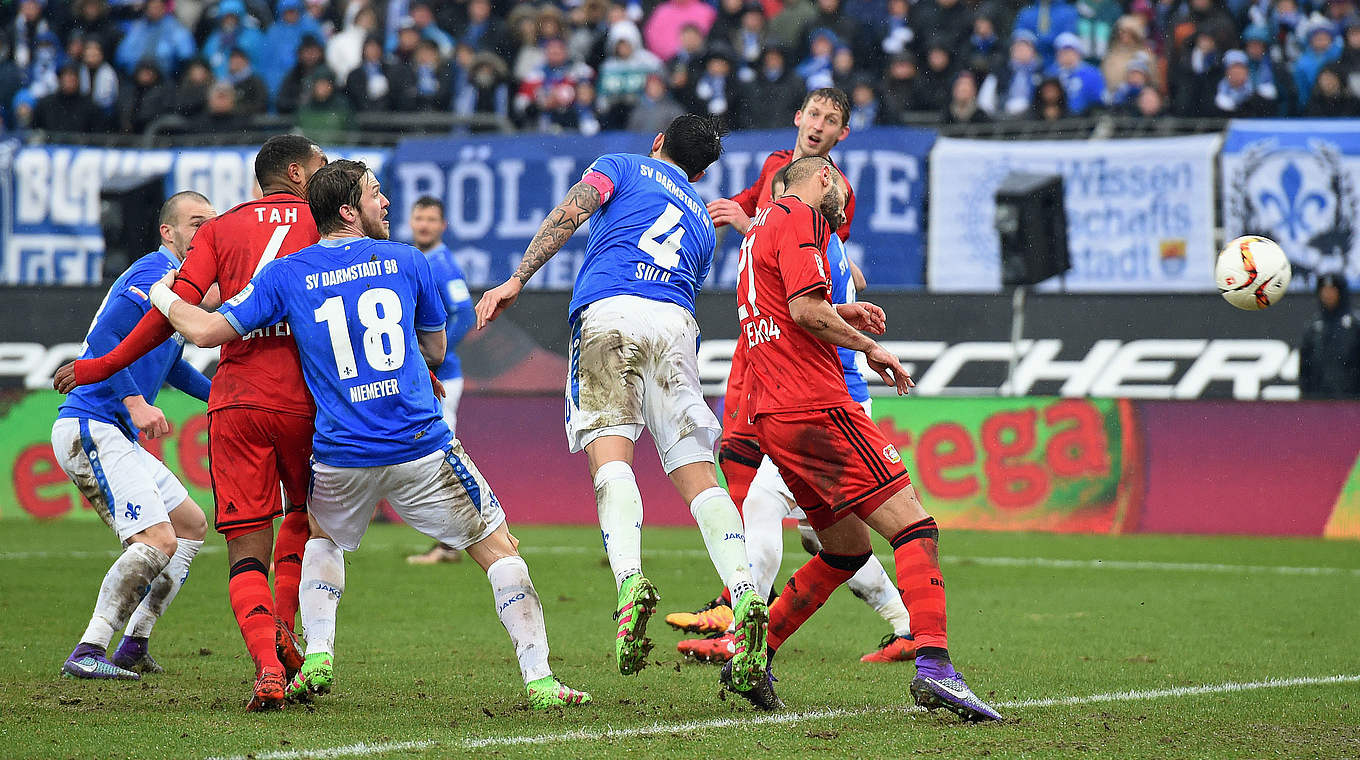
point(250, 452)
point(835, 461)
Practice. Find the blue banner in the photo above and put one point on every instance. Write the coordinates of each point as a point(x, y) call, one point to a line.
point(1295, 181)
point(498, 189)
point(49, 200)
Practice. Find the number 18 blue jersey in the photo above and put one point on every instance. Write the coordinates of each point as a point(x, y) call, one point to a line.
point(652, 238)
point(353, 307)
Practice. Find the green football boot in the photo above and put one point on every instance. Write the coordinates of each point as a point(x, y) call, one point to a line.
point(752, 619)
point(637, 603)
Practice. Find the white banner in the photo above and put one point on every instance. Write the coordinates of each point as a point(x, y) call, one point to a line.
point(1140, 213)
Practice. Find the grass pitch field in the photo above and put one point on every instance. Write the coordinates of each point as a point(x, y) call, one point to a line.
point(1132, 647)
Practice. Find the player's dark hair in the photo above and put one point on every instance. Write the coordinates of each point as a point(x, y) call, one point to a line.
point(803, 168)
point(833, 95)
point(277, 153)
point(171, 207)
point(693, 142)
point(429, 201)
point(780, 177)
point(339, 183)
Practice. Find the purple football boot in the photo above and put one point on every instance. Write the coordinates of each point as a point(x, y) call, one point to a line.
point(132, 655)
point(90, 661)
point(938, 685)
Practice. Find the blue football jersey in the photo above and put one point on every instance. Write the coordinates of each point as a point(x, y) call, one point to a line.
point(843, 291)
point(123, 307)
point(653, 237)
point(354, 306)
point(448, 276)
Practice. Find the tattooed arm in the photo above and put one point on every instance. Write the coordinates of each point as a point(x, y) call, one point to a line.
point(582, 200)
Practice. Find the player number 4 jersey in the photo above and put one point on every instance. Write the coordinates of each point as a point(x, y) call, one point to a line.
point(783, 257)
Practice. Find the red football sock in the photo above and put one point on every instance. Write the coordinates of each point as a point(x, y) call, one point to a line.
point(292, 538)
point(738, 472)
point(807, 591)
point(248, 588)
point(916, 553)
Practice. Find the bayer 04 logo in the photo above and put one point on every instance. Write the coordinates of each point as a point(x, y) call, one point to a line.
point(1302, 197)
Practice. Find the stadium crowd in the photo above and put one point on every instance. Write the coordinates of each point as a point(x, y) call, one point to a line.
point(590, 65)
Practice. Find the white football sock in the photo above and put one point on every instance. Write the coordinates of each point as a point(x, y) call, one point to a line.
point(127, 581)
point(322, 585)
point(521, 613)
point(163, 589)
point(764, 513)
point(873, 584)
point(620, 507)
point(720, 524)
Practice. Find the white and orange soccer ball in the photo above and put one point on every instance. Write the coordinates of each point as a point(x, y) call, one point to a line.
point(1252, 272)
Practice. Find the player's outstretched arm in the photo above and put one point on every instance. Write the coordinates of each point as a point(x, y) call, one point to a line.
point(819, 318)
point(727, 211)
point(204, 329)
point(582, 200)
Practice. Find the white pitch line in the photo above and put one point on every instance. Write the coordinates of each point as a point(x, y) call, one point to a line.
point(1061, 564)
point(364, 749)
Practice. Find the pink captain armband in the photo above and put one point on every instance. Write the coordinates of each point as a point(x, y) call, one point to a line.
point(600, 182)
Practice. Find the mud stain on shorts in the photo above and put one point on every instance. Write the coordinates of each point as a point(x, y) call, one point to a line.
point(610, 376)
point(87, 483)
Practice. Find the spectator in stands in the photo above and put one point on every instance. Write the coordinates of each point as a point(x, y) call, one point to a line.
point(963, 103)
point(1084, 85)
point(428, 75)
point(97, 77)
point(895, 31)
point(146, 98)
point(1128, 42)
point(946, 21)
point(483, 31)
point(1137, 75)
point(67, 109)
point(1150, 104)
point(581, 117)
point(1195, 80)
point(901, 89)
point(298, 82)
point(1285, 21)
point(815, 70)
point(1330, 98)
point(662, 30)
point(548, 97)
point(422, 21)
point(1050, 101)
point(1349, 62)
point(789, 28)
point(751, 39)
point(528, 48)
point(1198, 17)
point(324, 15)
point(408, 39)
point(282, 40)
point(1329, 354)
point(776, 91)
point(716, 91)
point(982, 52)
point(11, 82)
point(829, 16)
point(1046, 20)
point(728, 20)
point(1236, 96)
point(326, 116)
point(28, 25)
point(486, 89)
point(234, 31)
point(864, 105)
point(843, 70)
point(191, 95)
point(375, 85)
point(93, 23)
point(656, 109)
point(252, 96)
point(40, 75)
point(157, 35)
point(590, 23)
point(1009, 90)
point(1270, 81)
point(345, 50)
point(1323, 48)
point(937, 79)
point(685, 66)
point(624, 74)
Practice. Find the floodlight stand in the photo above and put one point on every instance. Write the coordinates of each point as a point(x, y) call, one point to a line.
point(1017, 333)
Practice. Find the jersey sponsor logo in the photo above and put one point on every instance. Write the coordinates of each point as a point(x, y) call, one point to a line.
point(890, 454)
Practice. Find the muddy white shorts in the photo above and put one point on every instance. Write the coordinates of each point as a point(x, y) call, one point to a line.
point(634, 362)
point(127, 486)
point(441, 495)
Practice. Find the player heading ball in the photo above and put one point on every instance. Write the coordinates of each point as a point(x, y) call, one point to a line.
point(369, 321)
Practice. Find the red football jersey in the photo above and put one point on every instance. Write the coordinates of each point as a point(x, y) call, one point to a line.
point(757, 195)
point(262, 369)
point(783, 257)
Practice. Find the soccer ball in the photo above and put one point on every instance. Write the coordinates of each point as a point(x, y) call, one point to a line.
point(1252, 272)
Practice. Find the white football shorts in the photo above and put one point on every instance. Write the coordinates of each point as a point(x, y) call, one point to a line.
point(767, 476)
point(127, 486)
point(441, 495)
point(453, 392)
point(634, 362)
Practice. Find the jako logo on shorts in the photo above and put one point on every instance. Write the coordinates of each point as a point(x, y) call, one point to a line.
point(510, 601)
